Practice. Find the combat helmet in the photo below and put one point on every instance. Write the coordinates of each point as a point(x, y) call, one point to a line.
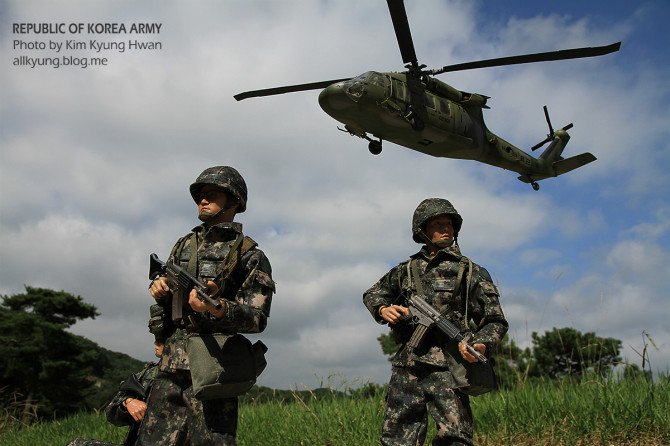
point(429, 208)
point(225, 177)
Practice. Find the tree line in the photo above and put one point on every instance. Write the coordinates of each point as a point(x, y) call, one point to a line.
point(557, 354)
point(46, 371)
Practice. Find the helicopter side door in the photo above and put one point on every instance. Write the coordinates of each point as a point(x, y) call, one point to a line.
point(400, 95)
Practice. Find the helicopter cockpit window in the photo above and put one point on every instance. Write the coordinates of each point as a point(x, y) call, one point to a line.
point(356, 86)
point(378, 79)
point(360, 77)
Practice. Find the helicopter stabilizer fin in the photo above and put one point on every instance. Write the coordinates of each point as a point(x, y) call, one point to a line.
point(572, 163)
point(560, 167)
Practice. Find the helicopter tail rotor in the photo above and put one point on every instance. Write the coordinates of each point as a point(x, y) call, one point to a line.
point(551, 134)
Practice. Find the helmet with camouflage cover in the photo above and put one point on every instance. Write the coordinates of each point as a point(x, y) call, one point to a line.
point(225, 177)
point(429, 208)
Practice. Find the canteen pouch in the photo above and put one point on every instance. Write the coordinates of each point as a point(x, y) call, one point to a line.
point(223, 366)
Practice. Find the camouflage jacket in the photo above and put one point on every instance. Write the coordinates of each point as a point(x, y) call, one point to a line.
point(438, 276)
point(247, 292)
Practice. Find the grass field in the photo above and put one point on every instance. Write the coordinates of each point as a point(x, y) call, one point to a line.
point(631, 412)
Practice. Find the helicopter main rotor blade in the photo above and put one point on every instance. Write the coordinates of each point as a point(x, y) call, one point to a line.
point(287, 89)
point(546, 116)
point(574, 53)
point(402, 32)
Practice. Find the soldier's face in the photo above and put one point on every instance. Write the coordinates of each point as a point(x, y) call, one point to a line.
point(440, 229)
point(211, 202)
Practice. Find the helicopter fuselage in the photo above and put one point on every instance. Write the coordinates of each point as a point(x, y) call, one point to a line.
point(415, 110)
point(435, 119)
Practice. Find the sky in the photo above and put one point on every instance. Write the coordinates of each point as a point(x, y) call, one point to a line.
point(95, 165)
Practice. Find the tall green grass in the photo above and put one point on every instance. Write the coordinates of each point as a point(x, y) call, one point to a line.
point(542, 412)
point(572, 412)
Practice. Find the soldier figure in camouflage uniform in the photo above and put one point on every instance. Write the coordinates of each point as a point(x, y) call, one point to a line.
point(422, 377)
point(173, 414)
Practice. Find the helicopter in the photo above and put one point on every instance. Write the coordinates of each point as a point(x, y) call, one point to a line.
point(416, 110)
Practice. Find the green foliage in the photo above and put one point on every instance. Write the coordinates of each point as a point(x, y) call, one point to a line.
point(50, 371)
point(541, 412)
point(632, 372)
point(389, 346)
point(82, 425)
point(107, 372)
point(56, 308)
point(44, 362)
point(571, 411)
point(511, 363)
point(567, 352)
point(558, 353)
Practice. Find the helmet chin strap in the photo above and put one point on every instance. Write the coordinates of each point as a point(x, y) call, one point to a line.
point(206, 216)
point(439, 244)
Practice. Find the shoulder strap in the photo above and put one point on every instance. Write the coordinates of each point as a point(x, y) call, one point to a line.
point(464, 264)
point(399, 270)
point(192, 267)
point(179, 246)
point(414, 271)
point(240, 246)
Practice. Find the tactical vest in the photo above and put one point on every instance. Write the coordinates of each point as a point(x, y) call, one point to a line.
point(435, 345)
point(216, 265)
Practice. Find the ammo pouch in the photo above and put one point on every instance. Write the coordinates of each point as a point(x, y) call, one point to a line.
point(470, 378)
point(223, 366)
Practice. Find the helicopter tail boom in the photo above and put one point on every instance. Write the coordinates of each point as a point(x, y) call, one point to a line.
point(559, 168)
point(572, 163)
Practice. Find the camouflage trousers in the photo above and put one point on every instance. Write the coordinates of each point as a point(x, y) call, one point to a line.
point(413, 389)
point(175, 417)
point(89, 442)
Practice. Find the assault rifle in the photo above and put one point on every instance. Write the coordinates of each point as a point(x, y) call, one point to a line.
point(180, 281)
point(425, 316)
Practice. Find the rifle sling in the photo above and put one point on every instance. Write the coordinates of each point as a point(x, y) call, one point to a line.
point(238, 248)
point(464, 264)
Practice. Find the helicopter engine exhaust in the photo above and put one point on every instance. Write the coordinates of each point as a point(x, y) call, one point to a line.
point(467, 99)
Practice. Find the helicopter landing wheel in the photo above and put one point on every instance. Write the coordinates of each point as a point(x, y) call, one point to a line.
point(375, 147)
point(535, 185)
